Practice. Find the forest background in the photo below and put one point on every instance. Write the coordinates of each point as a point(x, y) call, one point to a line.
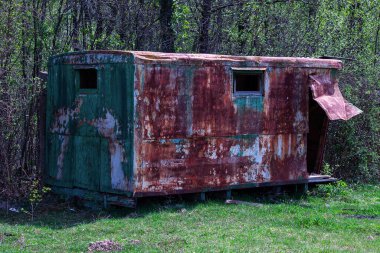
point(33, 30)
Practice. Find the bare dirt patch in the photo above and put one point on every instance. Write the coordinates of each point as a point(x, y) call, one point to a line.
point(104, 246)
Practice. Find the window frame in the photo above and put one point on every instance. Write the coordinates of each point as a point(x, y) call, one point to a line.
point(248, 71)
point(77, 69)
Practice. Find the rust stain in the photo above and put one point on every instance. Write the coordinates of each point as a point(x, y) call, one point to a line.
point(64, 139)
point(202, 162)
point(213, 113)
point(194, 133)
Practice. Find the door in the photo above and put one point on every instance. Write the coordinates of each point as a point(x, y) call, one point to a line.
point(102, 136)
point(86, 138)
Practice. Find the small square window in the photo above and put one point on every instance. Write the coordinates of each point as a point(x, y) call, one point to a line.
point(88, 79)
point(248, 82)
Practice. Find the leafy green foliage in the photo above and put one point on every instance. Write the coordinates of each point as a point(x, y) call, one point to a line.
point(335, 190)
point(36, 194)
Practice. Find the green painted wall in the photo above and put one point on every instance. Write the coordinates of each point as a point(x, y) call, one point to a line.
point(90, 132)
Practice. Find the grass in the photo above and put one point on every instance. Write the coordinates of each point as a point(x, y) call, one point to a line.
point(330, 219)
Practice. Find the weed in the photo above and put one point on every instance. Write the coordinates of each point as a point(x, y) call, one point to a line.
point(327, 169)
point(337, 189)
point(36, 195)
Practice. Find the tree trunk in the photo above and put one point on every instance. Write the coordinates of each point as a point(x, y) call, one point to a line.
point(99, 27)
point(38, 20)
point(75, 20)
point(57, 26)
point(167, 33)
point(24, 38)
point(376, 52)
point(122, 28)
point(203, 40)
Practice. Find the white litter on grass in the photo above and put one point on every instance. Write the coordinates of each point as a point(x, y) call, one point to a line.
point(12, 209)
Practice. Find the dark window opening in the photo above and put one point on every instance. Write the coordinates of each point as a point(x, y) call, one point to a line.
point(248, 83)
point(88, 79)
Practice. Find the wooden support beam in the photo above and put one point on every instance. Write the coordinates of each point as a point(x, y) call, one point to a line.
point(202, 197)
point(229, 194)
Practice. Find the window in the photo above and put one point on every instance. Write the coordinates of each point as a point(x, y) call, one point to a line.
point(88, 79)
point(248, 82)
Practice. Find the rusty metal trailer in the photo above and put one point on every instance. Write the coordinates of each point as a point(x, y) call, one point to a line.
point(128, 124)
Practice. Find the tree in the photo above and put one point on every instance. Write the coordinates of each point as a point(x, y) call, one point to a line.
point(203, 40)
point(167, 33)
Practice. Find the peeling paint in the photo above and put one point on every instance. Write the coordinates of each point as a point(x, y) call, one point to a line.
point(61, 127)
point(235, 150)
point(64, 116)
point(279, 146)
point(299, 118)
point(211, 151)
point(109, 128)
point(64, 139)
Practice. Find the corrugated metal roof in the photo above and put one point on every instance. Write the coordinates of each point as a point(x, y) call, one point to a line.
point(182, 58)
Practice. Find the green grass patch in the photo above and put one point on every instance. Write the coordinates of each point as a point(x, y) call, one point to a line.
point(345, 220)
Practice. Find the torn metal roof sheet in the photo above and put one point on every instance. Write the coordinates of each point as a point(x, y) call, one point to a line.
point(328, 96)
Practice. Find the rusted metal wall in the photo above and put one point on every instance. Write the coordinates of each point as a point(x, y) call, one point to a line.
point(170, 123)
point(192, 133)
